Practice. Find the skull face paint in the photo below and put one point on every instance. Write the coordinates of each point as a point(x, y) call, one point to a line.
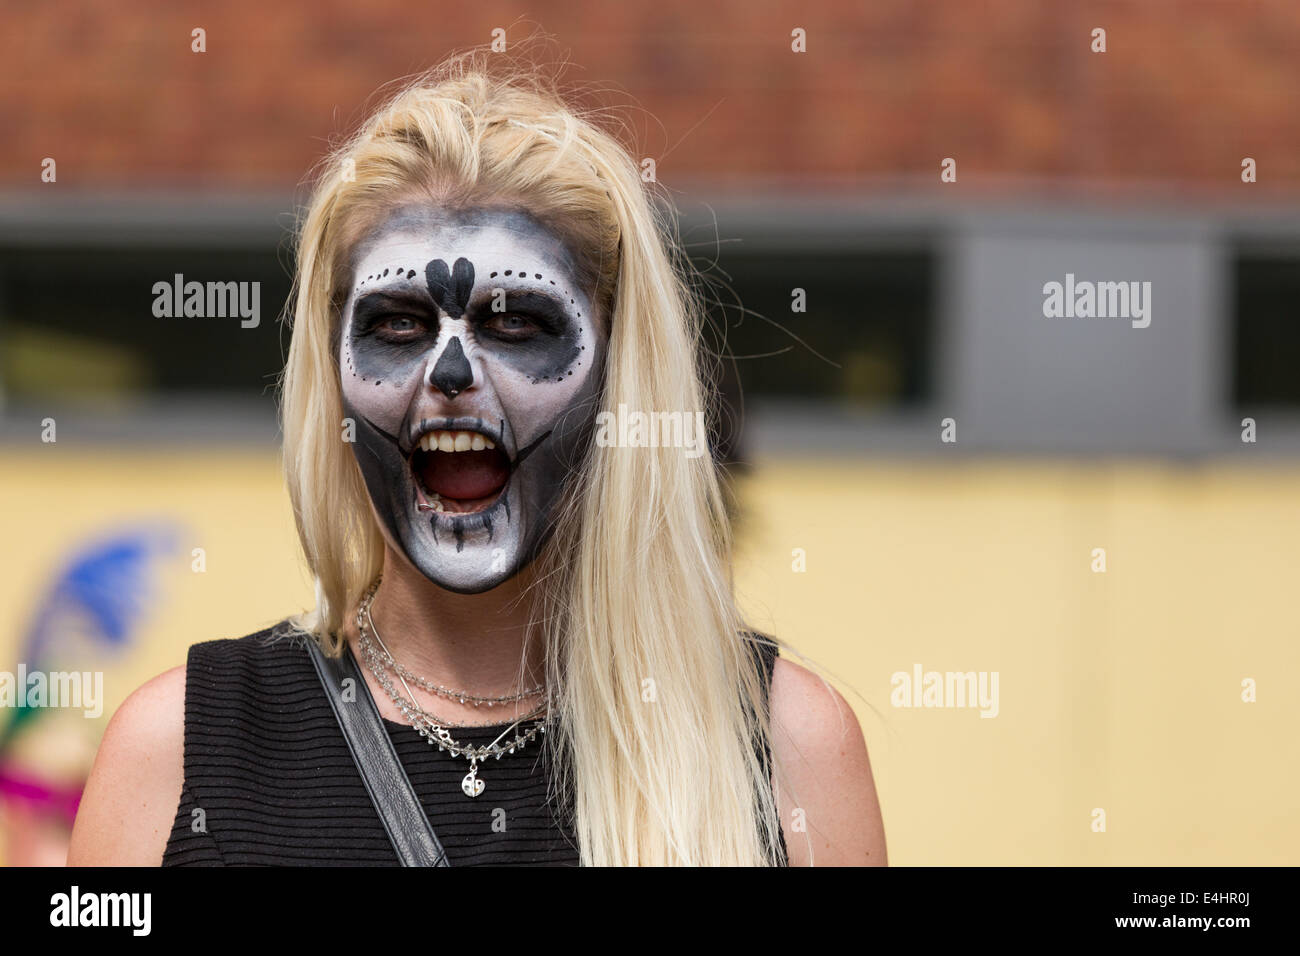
point(470, 362)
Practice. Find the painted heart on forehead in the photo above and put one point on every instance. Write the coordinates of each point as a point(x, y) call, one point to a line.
point(472, 386)
point(450, 288)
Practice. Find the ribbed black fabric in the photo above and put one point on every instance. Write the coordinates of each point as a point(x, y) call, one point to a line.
point(269, 780)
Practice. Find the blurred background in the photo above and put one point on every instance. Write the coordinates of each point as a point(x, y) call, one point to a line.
point(157, 518)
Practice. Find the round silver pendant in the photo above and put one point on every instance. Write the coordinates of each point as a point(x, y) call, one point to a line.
point(472, 785)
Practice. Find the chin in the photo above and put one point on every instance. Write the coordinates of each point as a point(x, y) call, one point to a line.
point(464, 579)
point(468, 553)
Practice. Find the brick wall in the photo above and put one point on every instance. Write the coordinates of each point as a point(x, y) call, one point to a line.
point(886, 89)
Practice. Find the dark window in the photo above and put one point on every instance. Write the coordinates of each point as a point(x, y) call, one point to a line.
point(865, 338)
point(1267, 333)
point(79, 324)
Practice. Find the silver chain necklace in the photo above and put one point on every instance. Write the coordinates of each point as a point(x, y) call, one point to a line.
point(430, 727)
point(463, 697)
point(455, 695)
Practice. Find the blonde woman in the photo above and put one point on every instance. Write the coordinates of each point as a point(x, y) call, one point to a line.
point(545, 624)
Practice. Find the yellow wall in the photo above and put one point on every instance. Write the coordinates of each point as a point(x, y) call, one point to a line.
point(1119, 691)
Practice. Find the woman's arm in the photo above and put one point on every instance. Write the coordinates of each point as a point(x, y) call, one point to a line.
point(826, 795)
point(130, 801)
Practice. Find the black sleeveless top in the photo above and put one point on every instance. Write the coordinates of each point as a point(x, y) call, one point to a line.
point(269, 780)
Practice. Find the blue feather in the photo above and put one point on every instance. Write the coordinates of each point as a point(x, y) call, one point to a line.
point(105, 583)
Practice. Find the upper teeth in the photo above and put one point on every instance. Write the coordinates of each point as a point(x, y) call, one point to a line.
point(455, 441)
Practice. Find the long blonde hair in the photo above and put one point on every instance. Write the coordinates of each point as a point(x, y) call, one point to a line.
point(662, 727)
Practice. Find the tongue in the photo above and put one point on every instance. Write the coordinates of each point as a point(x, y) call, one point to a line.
point(464, 475)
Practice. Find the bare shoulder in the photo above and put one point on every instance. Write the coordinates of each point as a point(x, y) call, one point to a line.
point(826, 794)
point(134, 788)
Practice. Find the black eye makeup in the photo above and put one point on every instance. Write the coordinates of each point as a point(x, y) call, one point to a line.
point(526, 315)
point(510, 326)
point(398, 328)
point(534, 330)
point(394, 319)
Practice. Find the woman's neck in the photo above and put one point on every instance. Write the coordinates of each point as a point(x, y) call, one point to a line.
point(473, 643)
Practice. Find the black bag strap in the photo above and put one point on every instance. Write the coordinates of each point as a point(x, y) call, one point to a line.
point(372, 750)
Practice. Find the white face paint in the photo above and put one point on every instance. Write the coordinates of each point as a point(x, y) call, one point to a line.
point(467, 330)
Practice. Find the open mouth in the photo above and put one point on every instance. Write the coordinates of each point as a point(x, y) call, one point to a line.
point(458, 472)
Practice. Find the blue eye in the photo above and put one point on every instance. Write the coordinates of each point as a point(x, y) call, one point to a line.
point(512, 325)
point(399, 328)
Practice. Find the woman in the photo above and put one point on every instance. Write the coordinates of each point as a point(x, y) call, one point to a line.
point(480, 273)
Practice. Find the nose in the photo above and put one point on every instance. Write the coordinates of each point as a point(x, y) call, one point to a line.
point(451, 374)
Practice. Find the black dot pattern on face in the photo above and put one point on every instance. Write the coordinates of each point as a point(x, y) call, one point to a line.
point(396, 271)
point(523, 274)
